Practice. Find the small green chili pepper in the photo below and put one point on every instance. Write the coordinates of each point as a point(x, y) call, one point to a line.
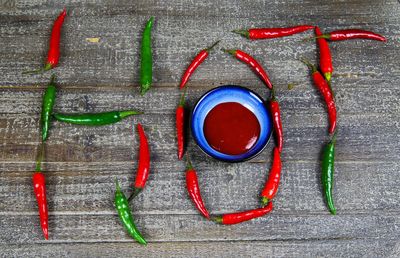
point(146, 61)
point(47, 107)
point(122, 206)
point(328, 159)
point(104, 118)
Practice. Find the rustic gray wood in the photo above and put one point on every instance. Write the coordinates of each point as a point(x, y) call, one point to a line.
point(98, 71)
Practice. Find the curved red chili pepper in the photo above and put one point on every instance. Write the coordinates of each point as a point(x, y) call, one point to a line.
point(144, 163)
point(180, 126)
point(353, 34)
point(277, 122)
point(39, 188)
point(192, 186)
point(197, 60)
point(325, 58)
point(327, 94)
point(272, 184)
point(252, 62)
point(238, 217)
point(269, 33)
point(53, 54)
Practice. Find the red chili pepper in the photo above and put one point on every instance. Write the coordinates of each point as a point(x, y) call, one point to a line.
point(276, 119)
point(53, 55)
point(326, 92)
point(192, 186)
point(272, 184)
point(235, 218)
point(198, 59)
point(144, 164)
point(248, 59)
point(39, 187)
point(352, 34)
point(325, 58)
point(269, 33)
point(180, 126)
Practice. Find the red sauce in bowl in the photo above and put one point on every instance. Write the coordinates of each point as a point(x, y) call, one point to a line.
point(231, 128)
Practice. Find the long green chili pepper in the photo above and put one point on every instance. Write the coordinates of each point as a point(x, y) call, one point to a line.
point(47, 107)
point(104, 118)
point(328, 159)
point(122, 206)
point(146, 61)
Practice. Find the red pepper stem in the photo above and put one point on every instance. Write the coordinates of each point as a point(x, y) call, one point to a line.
point(188, 163)
point(39, 159)
point(264, 201)
point(309, 64)
point(323, 36)
point(230, 51)
point(273, 98)
point(328, 76)
point(244, 33)
point(217, 219)
point(47, 67)
point(182, 99)
point(212, 46)
point(135, 192)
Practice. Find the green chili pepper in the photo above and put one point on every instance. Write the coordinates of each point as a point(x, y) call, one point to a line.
point(47, 107)
point(122, 206)
point(146, 61)
point(104, 118)
point(328, 159)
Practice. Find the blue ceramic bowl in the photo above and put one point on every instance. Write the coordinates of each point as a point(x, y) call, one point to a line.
point(230, 93)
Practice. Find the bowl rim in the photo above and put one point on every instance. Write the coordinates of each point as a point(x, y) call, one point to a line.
point(219, 158)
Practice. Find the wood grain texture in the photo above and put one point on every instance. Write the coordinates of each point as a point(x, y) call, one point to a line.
point(99, 71)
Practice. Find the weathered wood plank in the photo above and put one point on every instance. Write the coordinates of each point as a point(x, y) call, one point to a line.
point(87, 188)
point(167, 228)
point(307, 248)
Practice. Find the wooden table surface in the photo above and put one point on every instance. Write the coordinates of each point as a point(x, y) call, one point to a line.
point(98, 71)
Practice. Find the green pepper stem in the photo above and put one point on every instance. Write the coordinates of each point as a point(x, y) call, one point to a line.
point(264, 201)
point(39, 159)
point(243, 33)
point(47, 67)
point(212, 46)
point(217, 219)
point(309, 64)
point(127, 113)
point(135, 192)
point(273, 98)
point(323, 36)
point(188, 163)
point(229, 51)
point(182, 99)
